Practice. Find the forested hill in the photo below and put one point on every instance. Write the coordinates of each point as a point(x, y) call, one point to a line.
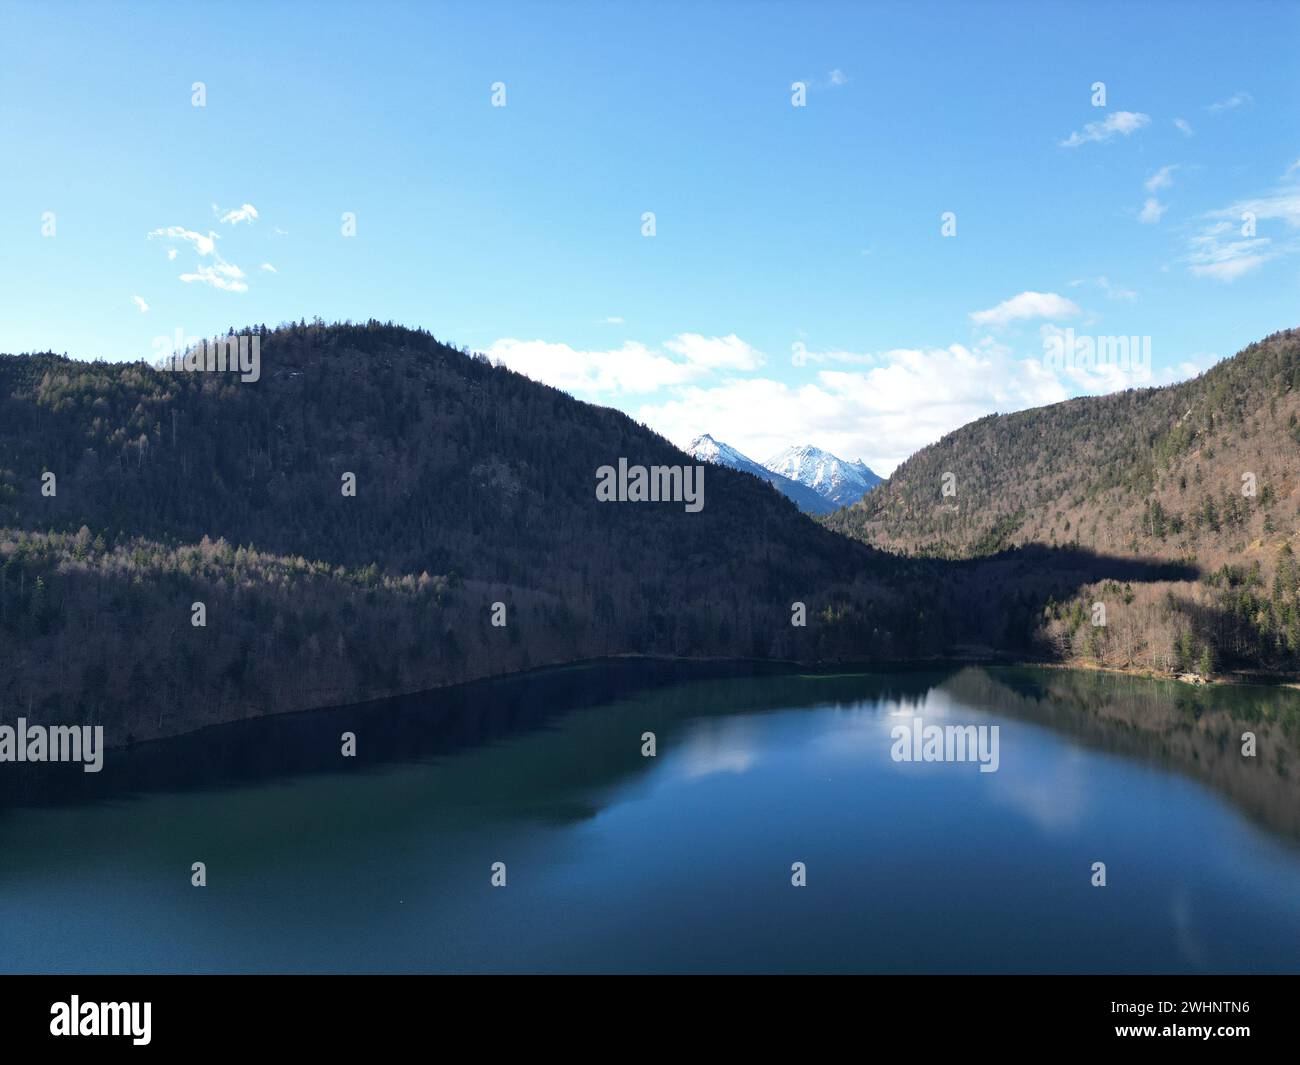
point(1206, 471)
point(135, 502)
point(474, 486)
point(1157, 470)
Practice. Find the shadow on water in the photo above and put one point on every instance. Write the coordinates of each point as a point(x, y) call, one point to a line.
point(1195, 731)
point(414, 728)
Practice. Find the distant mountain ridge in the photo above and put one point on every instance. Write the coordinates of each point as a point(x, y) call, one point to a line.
point(807, 499)
point(815, 480)
point(839, 482)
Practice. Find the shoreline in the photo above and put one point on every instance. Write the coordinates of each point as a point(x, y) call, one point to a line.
point(980, 657)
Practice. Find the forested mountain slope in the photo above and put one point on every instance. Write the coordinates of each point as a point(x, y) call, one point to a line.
point(1206, 471)
point(130, 495)
point(474, 486)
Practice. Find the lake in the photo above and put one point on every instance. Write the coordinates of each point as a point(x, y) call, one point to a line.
point(684, 861)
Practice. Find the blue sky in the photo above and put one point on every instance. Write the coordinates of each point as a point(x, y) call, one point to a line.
point(797, 288)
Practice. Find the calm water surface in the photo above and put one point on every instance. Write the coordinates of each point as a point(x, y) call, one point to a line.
point(681, 862)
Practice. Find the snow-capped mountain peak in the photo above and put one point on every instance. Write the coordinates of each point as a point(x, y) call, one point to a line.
point(833, 478)
point(706, 449)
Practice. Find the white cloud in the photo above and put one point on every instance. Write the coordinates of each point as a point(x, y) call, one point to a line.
point(880, 407)
point(1115, 292)
point(220, 275)
point(268, 268)
point(1096, 375)
point(1240, 98)
point(1152, 210)
point(246, 213)
point(1121, 122)
point(1215, 253)
point(837, 77)
point(1184, 127)
point(1227, 262)
point(801, 356)
point(1162, 178)
point(1026, 305)
point(1293, 168)
point(613, 319)
point(1281, 206)
point(1225, 249)
point(630, 369)
point(1194, 364)
point(715, 353)
point(201, 244)
point(139, 302)
point(910, 398)
point(1112, 291)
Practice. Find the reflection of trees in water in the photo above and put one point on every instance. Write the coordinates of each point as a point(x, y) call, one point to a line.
point(1194, 730)
point(445, 722)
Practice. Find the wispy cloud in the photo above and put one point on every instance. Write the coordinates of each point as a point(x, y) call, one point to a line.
point(1227, 261)
point(1229, 246)
point(833, 79)
point(1112, 291)
point(219, 275)
point(1162, 178)
point(1116, 292)
point(1121, 123)
point(246, 213)
point(801, 356)
point(1026, 305)
point(268, 268)
point(1184, 127)
point(140, 303)
point(201, 244)
point(1240, 98)
point(1152, 211)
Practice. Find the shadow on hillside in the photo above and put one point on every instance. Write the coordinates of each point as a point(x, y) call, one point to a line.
point(994, 604)
point(1082, 565)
